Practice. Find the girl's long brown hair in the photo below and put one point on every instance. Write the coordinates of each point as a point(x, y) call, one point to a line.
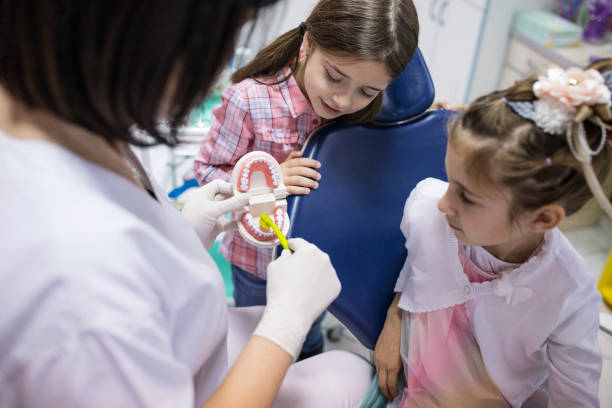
point(373, 30)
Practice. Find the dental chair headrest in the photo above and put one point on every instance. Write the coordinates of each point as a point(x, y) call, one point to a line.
point(409, 95)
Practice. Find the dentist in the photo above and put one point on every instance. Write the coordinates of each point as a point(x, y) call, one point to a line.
point(109, 298)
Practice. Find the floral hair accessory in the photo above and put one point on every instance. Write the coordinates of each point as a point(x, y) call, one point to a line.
point(565, 99)
point(573, 87)
point(560, 93)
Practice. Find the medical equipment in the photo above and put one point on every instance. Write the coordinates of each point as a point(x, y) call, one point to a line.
point(266, 222)
point(259, 175)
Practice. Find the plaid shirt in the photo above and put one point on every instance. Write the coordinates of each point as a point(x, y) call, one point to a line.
point(272, 118)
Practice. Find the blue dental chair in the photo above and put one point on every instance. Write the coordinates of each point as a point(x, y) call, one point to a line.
point(367, 173)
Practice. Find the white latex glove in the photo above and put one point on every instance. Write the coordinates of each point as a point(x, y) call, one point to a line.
point(204, 212)
point(300, 287)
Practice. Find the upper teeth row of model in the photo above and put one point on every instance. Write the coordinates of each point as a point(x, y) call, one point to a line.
point(244, 178)
point(279, 217)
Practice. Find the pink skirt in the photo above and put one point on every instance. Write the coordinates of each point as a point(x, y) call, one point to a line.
point(445, 367)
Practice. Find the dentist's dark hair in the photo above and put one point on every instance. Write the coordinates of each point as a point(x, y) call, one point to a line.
point(372, 30)
point(108, 65)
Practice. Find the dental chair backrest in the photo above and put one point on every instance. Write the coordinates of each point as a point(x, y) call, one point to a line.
point(367, 172)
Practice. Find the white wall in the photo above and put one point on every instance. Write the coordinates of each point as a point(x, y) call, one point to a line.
point(494, 42)
point(297, 11)
point(276, 20)
point(464, 42)
point(449, 39)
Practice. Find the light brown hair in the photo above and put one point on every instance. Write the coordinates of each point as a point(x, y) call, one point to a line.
point(372, 30)
point(506, 151)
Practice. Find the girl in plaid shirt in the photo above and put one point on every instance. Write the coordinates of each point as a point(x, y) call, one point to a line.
point(333, 67)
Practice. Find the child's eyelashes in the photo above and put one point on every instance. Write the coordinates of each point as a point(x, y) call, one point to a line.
point(367, 95)
point(338, 80)
point(331, 78)
point(465, 199)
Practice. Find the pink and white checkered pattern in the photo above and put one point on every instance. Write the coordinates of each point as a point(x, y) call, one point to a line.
point(272, 118)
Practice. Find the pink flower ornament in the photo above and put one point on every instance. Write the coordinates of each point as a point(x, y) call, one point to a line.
point(560, 92)
point(573, 87)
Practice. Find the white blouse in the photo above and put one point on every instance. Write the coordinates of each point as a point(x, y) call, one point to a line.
point(535, 323)
point(108, 297)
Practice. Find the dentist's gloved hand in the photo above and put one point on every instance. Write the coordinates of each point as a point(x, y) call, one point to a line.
point(204, 212)
point(300, 287)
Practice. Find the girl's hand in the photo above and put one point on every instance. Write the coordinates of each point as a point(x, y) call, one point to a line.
point(299, 174)
point(387, 358)
point(442, 104)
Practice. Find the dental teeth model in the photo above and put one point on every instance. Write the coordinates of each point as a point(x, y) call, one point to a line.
point(259, 175)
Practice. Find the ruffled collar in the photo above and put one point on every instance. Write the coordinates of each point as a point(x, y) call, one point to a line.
point(485, 263)
point(509, 284)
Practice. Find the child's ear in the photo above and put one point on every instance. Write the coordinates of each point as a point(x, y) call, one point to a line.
point(547, 217)
point(306, 43)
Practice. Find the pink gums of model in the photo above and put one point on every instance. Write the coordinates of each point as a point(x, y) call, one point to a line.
point(260, 176)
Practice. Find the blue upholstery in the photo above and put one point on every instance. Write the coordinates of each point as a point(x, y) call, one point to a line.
point(367, 173)
point(409, 95)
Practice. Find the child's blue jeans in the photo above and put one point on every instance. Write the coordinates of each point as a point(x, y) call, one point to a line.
point(250, 290)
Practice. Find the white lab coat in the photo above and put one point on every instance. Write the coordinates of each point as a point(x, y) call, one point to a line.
point(534, 324)
point(107, 297)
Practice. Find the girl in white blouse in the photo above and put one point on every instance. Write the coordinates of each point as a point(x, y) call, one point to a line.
point(494, 307)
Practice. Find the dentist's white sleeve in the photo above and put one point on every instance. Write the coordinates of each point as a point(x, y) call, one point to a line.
point(133, 368)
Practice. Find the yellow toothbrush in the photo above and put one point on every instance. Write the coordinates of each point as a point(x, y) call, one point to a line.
point(266, 222)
